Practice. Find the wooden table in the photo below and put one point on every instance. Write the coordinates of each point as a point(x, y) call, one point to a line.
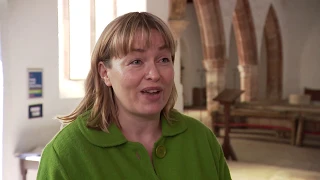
point(283, 106)
point(259, 113)
point(28, 161)
point(303, 112)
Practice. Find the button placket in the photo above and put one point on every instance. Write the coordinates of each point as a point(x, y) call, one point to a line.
point(143, 157)
point(159, 153)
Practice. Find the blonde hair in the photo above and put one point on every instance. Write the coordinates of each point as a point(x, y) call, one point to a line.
point(115, 41)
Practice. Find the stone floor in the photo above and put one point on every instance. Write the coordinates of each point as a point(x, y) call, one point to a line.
point(252, 171)
point(268, 157)
point(259, 160)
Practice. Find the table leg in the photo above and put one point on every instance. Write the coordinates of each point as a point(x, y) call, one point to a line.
point(214, 120)
point(23, 170)
point(299, 138)
point(293, 131)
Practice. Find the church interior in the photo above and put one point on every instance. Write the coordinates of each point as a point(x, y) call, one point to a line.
point(247, 69)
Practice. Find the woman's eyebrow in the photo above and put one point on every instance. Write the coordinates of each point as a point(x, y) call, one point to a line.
point(163, 47)
point(138, 50)
point(143, 50)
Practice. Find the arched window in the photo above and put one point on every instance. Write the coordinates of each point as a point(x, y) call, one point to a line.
point(80, 24)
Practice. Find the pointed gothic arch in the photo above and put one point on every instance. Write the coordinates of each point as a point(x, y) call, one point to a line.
point(247, 49)
point(272, 35)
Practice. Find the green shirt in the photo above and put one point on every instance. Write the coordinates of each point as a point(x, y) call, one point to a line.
point(186, 150)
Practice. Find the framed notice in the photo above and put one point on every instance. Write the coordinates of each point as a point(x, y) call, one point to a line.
point(35, 83)
point(35, 111)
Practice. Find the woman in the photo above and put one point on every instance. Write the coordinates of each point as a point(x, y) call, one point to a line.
point(125, 127)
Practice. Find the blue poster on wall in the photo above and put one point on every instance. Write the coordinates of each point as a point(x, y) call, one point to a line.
point(35, 83)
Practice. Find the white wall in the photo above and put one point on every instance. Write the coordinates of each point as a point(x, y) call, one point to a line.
point(177, 71)
point(191, 56)
point(29, 40)
point(232, 72)
point(310, 52)
point(262, 69)
point(299, 19)
point(159, 8)
point(2, 10)
point(1, 113)
point(292, 31)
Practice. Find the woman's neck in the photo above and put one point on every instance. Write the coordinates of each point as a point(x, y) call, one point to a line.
point(141, 129)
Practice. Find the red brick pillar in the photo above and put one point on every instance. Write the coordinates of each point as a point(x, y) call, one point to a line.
point(274, 56)
point(213, 47)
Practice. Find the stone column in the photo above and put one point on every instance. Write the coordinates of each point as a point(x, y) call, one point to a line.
point(215, 80)
point(249, 82)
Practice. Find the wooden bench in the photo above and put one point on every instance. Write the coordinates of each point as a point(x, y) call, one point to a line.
point(239, 118)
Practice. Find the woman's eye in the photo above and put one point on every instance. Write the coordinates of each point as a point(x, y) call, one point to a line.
point(165, 60)
point(136, 62)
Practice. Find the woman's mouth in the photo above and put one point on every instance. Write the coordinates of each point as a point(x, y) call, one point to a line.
point(151, 91)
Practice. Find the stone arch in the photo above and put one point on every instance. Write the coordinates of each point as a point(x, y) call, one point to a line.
point(273, 44)
point(247, 49)
point(213, 47)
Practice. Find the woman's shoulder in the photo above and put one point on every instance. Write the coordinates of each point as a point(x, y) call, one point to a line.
point(191, 122)
point(68, 137)
point(197, 130)
point(178, 116)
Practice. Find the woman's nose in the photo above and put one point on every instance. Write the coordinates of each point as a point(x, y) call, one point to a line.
point(152, 72)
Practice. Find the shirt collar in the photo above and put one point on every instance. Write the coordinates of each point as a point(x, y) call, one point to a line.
point(115, 136)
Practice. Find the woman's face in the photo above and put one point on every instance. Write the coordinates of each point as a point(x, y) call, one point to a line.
point(143, 79)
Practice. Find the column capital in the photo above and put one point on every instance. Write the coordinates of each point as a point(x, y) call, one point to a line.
point(177, 27)
point(248, 69)
point(214, 63)
point(177, 9)
point(249, 82)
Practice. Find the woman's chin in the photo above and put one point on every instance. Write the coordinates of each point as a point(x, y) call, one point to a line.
point(151, 111)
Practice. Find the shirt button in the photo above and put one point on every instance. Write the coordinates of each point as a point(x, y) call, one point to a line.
point(161, 151)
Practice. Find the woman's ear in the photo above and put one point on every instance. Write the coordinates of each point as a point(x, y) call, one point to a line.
point(103, 72)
